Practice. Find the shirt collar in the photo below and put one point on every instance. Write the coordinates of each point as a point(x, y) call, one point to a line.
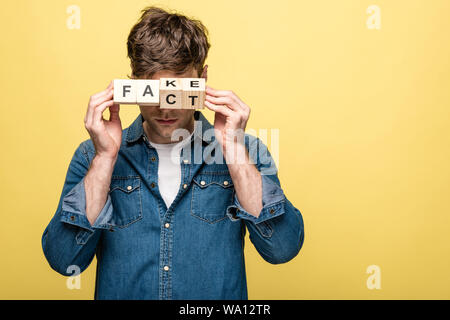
point(136, 130)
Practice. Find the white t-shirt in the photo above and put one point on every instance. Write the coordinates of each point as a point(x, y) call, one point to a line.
point(169, 168)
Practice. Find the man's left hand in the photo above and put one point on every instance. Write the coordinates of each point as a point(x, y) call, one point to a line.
point(231, 116)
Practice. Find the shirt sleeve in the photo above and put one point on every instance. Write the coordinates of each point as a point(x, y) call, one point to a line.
point(278, 231)
point(69, 239)
point(73, 210)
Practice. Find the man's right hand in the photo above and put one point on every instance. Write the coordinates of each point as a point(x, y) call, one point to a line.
point(105, 135)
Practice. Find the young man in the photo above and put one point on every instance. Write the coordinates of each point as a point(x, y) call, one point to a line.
point(163, 222)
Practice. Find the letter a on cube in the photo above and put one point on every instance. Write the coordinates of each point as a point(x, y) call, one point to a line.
point(147, 92)
point(193, 93)
point(124, 91)
point(170, 93)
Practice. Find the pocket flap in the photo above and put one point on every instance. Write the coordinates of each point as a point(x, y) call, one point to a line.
point(125, 184)
point(205, 180)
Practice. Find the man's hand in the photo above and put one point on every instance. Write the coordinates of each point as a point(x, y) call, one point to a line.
point(106, 135)
point(230, 120)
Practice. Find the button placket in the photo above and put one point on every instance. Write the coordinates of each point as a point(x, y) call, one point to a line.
point(166, 247)
point(166, 238)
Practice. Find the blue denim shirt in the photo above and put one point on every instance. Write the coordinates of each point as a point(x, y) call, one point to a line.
point(192, 250)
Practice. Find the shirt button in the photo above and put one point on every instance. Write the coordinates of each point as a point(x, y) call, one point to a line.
point(167, 225)
point(153, 159)
point(72, 218)
point(152, 185)
point(271, 211)
point(129, 187)
point(202, 183)
point(225, 183)
point(184, 186)
point(166, 268)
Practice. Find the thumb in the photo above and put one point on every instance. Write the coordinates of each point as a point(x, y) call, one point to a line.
point(114, 112)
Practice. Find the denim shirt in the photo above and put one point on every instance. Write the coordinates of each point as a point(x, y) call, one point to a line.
point(192, 250)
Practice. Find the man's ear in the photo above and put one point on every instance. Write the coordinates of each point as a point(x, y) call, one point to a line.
point(205, 73)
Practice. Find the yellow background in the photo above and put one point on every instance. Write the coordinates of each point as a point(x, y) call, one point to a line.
point(363, 118)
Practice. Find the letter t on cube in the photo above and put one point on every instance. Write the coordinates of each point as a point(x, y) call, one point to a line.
point(193, 93)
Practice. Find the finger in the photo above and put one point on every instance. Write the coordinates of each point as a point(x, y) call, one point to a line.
point(225, 93)
point(103, 92)
point(98, 112)
point(89, 113)
point(243, 112)
point(217, 93)
point(92, 105)
point(114, 112)
point(224, 101)
point(106, 95)
point(220, 109)
point(220, 93)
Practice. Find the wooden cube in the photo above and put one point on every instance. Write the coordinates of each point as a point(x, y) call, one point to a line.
point(124, 91)
point(170, 93)
point(193, 93)
point(147, 92)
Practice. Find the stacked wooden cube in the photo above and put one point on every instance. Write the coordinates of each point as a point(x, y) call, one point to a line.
point(168, 93)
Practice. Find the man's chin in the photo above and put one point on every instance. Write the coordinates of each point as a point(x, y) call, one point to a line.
point(165, 132)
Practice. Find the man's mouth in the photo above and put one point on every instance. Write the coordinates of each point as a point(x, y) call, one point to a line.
point(166, 121)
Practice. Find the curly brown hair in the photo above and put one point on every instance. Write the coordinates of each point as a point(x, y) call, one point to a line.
point(161, 40)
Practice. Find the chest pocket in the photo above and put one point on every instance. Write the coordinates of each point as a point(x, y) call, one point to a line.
point(126, 201)
point(211, 195)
